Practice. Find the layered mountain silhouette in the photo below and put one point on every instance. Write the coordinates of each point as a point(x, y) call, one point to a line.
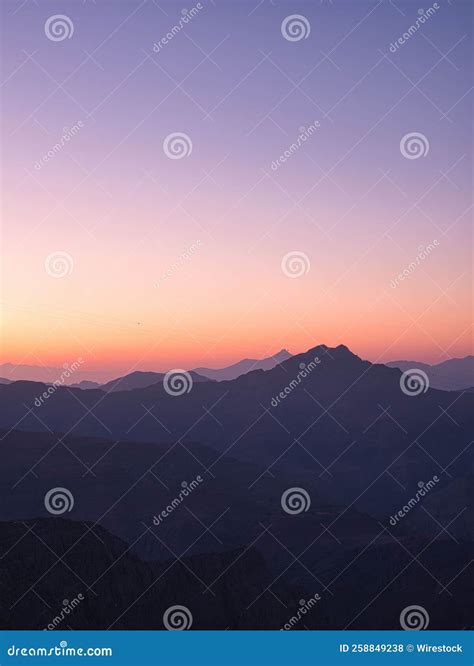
point(352, 435)
point(343, 412)
point(452, 375)
point(137, 379)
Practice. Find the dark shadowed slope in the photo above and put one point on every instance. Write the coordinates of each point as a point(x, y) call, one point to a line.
point(47, 564)
point(112, 588)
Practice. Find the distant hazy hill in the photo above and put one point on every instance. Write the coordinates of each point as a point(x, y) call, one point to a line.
point(39, 373)
point(452, 375)
point(138, 380)
point(244, 366)
point(10, 372)
point(86, 384)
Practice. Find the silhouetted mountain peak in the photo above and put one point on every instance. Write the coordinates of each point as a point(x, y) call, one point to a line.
point(322, 352)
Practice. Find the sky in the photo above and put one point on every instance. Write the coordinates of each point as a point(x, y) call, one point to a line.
point(164, 230)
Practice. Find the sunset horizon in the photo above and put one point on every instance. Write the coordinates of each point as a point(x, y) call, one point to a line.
point(148, 238)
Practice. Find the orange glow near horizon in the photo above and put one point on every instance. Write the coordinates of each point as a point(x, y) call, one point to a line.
point(116, 251)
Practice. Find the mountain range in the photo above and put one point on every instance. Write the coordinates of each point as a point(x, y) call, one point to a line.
point(349, 433)
point(136, 379)
point(451, 375)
